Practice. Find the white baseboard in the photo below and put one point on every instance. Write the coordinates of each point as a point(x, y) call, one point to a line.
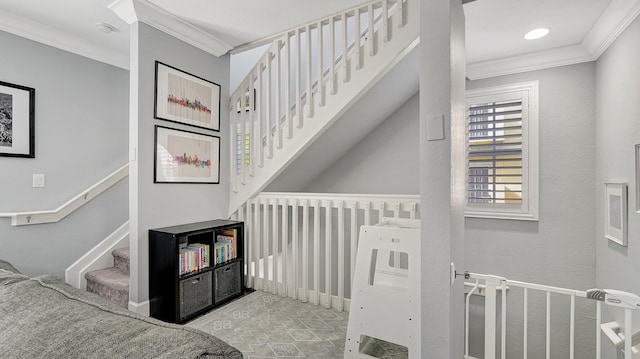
point(98, 257)
point(140, 308)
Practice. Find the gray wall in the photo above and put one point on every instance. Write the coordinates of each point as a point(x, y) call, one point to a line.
point(558, 249)
point(384, 162)
point(81, 136)
point(617, 131)
point(159, 205)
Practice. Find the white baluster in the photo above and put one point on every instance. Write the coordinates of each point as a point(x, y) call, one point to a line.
point(285, 246)
point(548, 337)
point(309, 96)
point(316, 250)
point(268, 101)
point(278, 116)
point(572, 329)
point(345, 50)
point(402, 21)
point(252, 140)
point(358, 34)
point(275, 240)
point(243, 139)
point(598, 332)
point(354, 238)
point(332, 55)
point(525, 320)
point(327, 253)
point(265, 245)
point(320, 80)
point(287, 86)
point(257, 230)
point(260, 145)
point(341, 258)
point(298, 78)
point(294, 250)
point(305, 250)
point(367, 213)
point(248, 238)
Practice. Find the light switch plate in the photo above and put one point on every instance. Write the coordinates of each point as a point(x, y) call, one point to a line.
point(435, 127)
point(38, 180)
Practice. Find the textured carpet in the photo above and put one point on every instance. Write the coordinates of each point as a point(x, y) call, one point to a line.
point(263, 325)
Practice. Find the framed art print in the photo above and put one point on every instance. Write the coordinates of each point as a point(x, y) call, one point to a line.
point(17, 120)
point(185, 98)
point(615, 211)
point(186, 157)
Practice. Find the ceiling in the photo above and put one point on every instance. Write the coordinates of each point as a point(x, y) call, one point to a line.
point(494, 28)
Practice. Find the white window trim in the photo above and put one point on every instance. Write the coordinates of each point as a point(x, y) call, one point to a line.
point(529, 210)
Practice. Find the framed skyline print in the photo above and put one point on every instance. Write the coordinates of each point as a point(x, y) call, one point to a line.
point(186, 157)
point(185, 98)
point(17, 120)
point(615, 211)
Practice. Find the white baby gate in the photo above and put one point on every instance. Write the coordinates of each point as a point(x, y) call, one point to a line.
point(491, 285)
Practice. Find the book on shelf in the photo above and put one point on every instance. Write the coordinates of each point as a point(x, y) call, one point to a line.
point(193, 258)
point(228, 237)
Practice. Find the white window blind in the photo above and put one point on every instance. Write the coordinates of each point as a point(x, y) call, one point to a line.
point(502, 152)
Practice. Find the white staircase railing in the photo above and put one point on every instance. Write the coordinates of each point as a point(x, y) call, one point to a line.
point(495, 287)
point(305, 80)
point(303, 245)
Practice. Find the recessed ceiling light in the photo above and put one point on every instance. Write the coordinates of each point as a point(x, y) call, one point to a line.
point(104, 27)
point(537, 33)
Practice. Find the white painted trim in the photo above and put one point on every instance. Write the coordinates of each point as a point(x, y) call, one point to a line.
point(613, 21)
point(98, 257)
point(49, 36)
point(529, 62)
point(143, 10)
point(142, 308)
point(51, 216)
point(529, 210)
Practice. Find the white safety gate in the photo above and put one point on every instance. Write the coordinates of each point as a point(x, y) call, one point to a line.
point(491, 285)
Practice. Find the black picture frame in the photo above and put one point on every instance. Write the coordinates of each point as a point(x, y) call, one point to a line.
point(17, 120)
point(182, 156)
point(185, 98)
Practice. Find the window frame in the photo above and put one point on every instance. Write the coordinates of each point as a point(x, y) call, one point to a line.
point(529, 208)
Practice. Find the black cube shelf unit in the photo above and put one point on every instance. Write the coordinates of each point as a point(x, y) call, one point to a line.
point(184, 285)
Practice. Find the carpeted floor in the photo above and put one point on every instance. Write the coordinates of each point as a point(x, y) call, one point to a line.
point(263, 325)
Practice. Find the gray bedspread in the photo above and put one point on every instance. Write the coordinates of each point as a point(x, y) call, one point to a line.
point(43, 317)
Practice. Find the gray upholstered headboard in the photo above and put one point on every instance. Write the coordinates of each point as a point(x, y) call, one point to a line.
point(6, 265)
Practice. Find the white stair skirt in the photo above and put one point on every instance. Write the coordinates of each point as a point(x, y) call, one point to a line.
point(385, 302)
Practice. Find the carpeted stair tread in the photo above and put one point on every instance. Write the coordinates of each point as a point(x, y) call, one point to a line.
point(113, 277)
point(110, 283)
point(121, 259)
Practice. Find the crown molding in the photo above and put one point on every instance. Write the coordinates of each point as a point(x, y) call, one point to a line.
point(49, 36)
point(613, 21)
point(529, 62)
point(144, 11)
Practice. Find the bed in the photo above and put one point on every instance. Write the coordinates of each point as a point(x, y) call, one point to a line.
point(43, 317)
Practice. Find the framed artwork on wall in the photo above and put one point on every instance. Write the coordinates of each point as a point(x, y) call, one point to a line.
point(17, 120)
point(615, 211)
point(186, 157)
point(185, 98)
